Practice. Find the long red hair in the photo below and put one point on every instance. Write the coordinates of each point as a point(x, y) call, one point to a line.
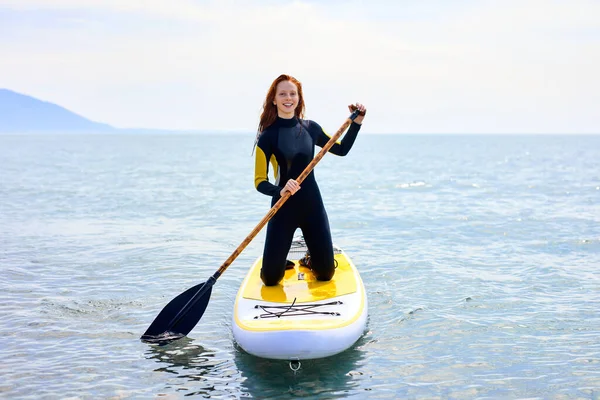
point(269, 112)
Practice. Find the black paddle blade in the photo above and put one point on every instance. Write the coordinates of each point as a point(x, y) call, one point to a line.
point(180, 316)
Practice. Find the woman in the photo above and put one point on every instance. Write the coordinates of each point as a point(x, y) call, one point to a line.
point(288, 142)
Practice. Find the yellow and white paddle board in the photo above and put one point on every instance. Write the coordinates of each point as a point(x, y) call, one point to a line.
point(301, 318)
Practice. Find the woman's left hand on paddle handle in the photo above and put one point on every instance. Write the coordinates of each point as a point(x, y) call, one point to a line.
point(291, 186)
point(361, 108)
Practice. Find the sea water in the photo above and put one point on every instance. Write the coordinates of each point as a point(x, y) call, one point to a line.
point(480, 255)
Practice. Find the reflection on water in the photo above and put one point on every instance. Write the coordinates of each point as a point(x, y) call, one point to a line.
point(324, 378)
point(197, 371)
point(183, 353)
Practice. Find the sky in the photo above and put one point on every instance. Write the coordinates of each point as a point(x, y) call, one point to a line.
point(420, 66)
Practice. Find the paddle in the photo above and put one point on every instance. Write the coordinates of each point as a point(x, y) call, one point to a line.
point(182, 313)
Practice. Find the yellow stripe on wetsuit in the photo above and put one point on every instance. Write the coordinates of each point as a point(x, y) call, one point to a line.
point(261, 169)
point(329, 137)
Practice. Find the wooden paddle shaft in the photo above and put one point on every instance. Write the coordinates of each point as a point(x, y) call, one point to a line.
point(287, 195)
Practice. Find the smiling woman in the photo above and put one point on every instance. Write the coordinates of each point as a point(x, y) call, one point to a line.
point(288, 142)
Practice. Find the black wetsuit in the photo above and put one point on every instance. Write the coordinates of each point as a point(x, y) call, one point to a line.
point(289, 145)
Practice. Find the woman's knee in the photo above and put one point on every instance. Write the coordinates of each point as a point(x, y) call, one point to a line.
point(324, 274)
point(271, 278)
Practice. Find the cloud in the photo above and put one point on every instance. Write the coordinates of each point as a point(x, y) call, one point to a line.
point(172, 9)
point(431, 67)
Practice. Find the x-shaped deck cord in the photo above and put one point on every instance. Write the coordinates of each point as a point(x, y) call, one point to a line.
point(294, 310)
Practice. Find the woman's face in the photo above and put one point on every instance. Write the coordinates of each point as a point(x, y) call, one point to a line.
point(286, 99)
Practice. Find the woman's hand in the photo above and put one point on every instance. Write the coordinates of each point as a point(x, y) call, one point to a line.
point(363, 111)
point(290, 186)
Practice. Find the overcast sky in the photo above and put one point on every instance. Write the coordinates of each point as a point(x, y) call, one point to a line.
point(435, 66)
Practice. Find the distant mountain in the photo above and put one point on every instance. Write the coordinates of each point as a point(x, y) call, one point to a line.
point(21, 113)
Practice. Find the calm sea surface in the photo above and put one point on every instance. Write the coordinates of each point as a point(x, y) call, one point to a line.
point(480, 256)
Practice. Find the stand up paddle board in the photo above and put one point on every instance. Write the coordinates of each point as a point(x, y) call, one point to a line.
point(301, 318)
